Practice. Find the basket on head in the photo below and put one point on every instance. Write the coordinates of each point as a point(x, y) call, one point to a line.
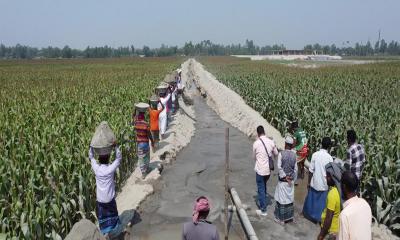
point(162, 88)
point(142, 107)
point(103, 139)
point(153, 101)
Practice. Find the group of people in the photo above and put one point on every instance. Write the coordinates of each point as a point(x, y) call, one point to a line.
point(333, 188)
point(160, 115)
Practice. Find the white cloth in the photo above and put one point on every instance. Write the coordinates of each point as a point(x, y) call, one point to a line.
point(317, 167)
point(261, 157)
point(105, 185)
point(162, 117)
point(355, 220)
point(284, 192)
point(173, 95)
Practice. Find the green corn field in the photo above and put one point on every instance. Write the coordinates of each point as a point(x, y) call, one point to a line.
point(328, 101)
point(49, 110)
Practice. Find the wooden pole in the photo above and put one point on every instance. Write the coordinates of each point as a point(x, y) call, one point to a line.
point(226, 180)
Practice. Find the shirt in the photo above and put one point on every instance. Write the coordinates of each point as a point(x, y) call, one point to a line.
point(317, 168)
point(105, 186)
point(154, 119)
point(333, 204)
point(287, 164)
point(261, 156)
point(142, 131)
point(356, 159)
point(355, 220)
point(301, 139)
point(164, 101)
point(201, 231)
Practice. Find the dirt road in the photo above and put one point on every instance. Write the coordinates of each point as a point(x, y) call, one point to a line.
point(198, 170)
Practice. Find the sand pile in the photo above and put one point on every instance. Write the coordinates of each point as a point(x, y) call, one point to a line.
point(230, 106)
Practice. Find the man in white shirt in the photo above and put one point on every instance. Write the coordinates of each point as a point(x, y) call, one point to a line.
point(317, 185)
point(107, 212)
point(263, 148)
point(356, 218)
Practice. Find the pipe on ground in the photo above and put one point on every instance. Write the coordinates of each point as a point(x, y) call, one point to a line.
point(251, 234)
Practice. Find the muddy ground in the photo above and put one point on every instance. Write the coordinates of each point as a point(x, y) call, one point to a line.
point(199, 170)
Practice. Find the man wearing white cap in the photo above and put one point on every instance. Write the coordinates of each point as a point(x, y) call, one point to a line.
point(284, 192)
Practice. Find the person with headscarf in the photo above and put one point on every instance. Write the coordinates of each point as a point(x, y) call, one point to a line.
point(284, 191)
point(199, 228)
point(143, 135)
point(330, 215)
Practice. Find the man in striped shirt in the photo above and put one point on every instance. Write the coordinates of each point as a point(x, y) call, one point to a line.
point(355, 154)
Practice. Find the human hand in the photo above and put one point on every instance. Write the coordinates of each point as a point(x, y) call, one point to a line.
point(91, 153)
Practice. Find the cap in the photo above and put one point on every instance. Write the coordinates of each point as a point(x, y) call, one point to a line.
point(289, 140)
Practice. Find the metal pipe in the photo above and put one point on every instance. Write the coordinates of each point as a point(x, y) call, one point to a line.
point(251, 234)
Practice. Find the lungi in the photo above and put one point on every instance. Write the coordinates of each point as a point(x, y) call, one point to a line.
point(314, 204)
point(107, 214)
point(143, 153)
point(284, 212)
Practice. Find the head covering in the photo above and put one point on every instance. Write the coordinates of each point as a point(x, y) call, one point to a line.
point(335, 170)
point(289, 140)
point(201, 205)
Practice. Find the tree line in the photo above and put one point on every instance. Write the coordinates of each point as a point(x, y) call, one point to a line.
point(205, 47)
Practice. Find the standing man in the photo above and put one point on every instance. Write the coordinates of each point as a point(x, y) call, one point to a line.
point(143, 136)
point(355, 219)
point(355, 155)
point(317, 185)
point(330, 215)
point(301, 146)
point(263, 149)
point(284, 192)
point(199, 228)
point(106, 206)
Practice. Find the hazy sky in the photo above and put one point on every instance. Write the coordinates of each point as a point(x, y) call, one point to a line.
point(80, 23)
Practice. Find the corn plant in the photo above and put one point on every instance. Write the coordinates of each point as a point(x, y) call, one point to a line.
point(49, 110)
point(328, 101)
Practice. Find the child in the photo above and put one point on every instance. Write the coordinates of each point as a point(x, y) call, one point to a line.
point(154, 126)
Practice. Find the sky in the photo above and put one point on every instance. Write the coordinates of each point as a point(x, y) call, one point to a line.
point(294, 23)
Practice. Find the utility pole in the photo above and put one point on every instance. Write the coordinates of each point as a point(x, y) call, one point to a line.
point(226, 181)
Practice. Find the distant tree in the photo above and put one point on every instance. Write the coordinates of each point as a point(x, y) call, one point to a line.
point(147, 52)
point(382, 46)
point(132, 50)
point(188, 49)
point(66, 52)
point(376, 49)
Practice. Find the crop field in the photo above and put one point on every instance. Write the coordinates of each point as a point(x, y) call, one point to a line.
point(48, 112)
point(328, 101)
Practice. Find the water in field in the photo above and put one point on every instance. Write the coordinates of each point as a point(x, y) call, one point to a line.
point(199, 170)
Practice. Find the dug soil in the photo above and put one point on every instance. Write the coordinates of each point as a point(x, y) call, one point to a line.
point(199, 170)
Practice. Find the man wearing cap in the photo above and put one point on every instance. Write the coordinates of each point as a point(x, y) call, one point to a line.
point(199, 228)
point(284, 192)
